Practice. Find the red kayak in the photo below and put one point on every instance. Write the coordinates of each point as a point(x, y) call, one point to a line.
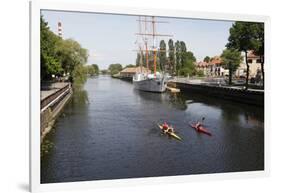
point(201, 129)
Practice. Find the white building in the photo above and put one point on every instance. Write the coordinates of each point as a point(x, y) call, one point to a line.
point(254, 65)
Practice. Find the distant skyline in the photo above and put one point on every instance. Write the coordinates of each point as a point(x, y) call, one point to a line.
point(111, 38)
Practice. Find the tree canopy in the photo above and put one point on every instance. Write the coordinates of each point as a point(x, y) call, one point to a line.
point(115, 68)
point(231, 59)
point(246, 36)
point(61, 57)
point(207, 59)
point(93, 69)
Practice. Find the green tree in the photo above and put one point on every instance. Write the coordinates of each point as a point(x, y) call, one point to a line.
point(79, 75)
point(243, 38)
point(183, 55)
point(114, 68)
point(188, 67)
point(162, 55)
point(140, 60)
point(96, 67)
point(178, 55)
point(129, 66)
point(104, 71)
point(93, 69)
point(259, 49)
point(207, 59)
point(50, 65)
point(60, 56)
point(71, 54)
point(231, 59)
point(171, 55)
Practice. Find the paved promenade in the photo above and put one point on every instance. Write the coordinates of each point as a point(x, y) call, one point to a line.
point(51, 89)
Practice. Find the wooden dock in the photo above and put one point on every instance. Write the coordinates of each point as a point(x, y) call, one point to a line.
point(173, 90)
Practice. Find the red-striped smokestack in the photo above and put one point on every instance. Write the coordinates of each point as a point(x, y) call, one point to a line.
point(59, 29)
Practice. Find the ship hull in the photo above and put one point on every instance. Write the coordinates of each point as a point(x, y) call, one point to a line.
point(150, 85)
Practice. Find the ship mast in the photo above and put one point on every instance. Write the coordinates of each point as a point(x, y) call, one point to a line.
point(154, 35)
point(154, 45)
point(140, 47)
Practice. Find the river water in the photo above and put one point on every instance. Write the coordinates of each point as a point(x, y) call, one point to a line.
point(108, 131)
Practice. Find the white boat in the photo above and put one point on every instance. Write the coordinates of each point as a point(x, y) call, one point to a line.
point(157, 81)
point(150, 82)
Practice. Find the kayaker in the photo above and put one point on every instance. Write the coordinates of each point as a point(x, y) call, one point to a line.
point(170, 130)
point(165, 127)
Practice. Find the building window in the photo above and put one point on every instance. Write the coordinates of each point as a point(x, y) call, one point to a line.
point(250, 61)
point(258, 60)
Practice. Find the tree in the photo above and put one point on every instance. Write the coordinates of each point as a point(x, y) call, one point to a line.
point(207, 59)
point(96, 67)
point(188, 67)
point(59, 56)
point(93, 69)
point(171, 55)
point(50, 65)
point(104, 71)
point(140, 60)
point(178, 58)
point(114, 68)
point(129, 66)
point(259, 49)
point(231, 59)
point(71, 54)
point(183, 56)
point(243, 38)
point(162, 55)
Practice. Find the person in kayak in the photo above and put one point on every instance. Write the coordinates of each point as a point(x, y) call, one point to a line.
point(165, 127)
point(170, 130)
point(198, 125)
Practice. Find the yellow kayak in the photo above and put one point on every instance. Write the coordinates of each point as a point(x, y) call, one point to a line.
point(172, 134)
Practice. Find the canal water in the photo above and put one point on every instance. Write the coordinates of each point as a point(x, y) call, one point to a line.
point(109, 131)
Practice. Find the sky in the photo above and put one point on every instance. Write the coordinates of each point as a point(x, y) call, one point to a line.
point(112, 38)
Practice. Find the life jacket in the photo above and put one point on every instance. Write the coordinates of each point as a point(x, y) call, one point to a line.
point(165, 126)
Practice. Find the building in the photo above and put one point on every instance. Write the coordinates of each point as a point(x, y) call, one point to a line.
point(254, 64)
point(214, 67)
point(129, 72)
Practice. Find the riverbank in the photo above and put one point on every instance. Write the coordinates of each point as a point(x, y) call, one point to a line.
point(237, 94)
point(53, 98)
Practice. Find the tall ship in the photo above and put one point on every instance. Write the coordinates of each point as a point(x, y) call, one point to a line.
point(145, 80)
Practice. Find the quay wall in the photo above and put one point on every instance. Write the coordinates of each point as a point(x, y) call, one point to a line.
point(51, 107)
point(252, 97)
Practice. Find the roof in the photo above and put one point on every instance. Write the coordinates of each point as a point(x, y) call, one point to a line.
point(202, 64)
point(134, 69)
point(216, 60)
point(251, 55)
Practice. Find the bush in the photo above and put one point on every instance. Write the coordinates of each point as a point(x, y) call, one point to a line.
point(200, 73)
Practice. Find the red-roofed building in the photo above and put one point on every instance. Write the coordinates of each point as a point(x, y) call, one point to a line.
point(212, 68)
